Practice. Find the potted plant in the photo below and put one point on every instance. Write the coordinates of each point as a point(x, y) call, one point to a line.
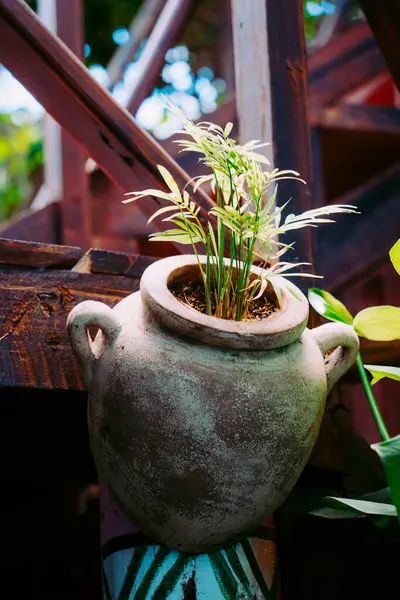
point(206, 389)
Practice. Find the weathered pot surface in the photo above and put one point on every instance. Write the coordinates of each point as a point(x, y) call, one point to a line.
point(200, 426)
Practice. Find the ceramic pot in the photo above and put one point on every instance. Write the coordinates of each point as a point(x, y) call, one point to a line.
point(200, 426)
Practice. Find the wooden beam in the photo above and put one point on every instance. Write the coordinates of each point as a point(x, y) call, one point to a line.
point(288, 68)
point(317, 187)
point(76, 210)
point(357, 243)
point(33, 254)
point(225, 66)
point(361, 118)
point(252, 73)
point(60, 82)
point(140, 29)
point(34, 346)
point(165, 33)
point(384, 19)
point(112, 263)
point(342, 65)
point(380, 353)
point(51, 189)
point(41, 225)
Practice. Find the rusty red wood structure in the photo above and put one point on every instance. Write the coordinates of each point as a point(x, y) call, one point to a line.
point(335, 120)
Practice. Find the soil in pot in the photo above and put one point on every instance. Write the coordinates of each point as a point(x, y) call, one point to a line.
point(191, 292)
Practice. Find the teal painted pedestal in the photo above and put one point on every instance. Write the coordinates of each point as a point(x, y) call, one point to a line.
point(134, 568)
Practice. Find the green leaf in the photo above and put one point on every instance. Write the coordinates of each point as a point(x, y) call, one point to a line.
point(228, 129)
point(144, 193)
point(170, 181)
point(161, 211)
point(379, 323)
point(328, 306)
point(174, 235)
point(331, 507)
point(389, 453)
point(379, 373)
point(395, 256)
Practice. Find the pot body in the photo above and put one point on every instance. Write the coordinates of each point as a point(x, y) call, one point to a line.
point(199, 443)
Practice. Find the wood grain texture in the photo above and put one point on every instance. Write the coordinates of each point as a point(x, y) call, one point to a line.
point(288, 67)
point(60, 82)
point(33, 254)
point(384, 19)
point(357, 243)
point(76, 210)
point(113, 263)
point(34, 346)
point(253, 73)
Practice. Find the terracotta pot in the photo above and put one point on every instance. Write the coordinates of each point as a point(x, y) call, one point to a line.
point(201, 426)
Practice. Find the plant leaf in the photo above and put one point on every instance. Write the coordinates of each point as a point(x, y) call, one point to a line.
point(331, 507)
point(228, 129)
point(379, 323)
point(144, 193)
point(328, 306)
point(170, 181)
point(395, 256)
point(379, 373)
point(174, 235)
point(161, 211)
point(389, 453)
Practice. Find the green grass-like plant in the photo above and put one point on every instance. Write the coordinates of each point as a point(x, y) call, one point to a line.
point(245, 213)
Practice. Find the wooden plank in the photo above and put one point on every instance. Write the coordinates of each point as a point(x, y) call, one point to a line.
point(34, 346)
point(33, 254)
point(225, 65)
point(113, 263)
point(288, 67)
point(76, 210)
point(42, 225)
point(384, 19)
point(359, 242)
point(139, 30)
point(344, 64)
point(253, 73)
point(165, 33)
point(317, 187)
point(60, 82)
point(380, 353)
point(337, 51)
point(51, 189)
point(360, 118)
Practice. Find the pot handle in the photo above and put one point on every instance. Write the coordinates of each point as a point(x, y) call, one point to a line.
point(79, 320)
point(345, 340)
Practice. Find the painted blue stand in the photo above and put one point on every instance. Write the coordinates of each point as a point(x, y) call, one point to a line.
point(136, 569)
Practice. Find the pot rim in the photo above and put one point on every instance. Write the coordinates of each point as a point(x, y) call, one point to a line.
point(279, 329)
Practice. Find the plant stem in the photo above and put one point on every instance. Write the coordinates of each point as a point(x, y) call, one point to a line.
point(376, 413)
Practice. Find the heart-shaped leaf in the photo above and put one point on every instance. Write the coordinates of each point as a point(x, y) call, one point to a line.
point(328, 306)
point(389, 453)
point(379, 323)
point(379, 373)
point(395, 256)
